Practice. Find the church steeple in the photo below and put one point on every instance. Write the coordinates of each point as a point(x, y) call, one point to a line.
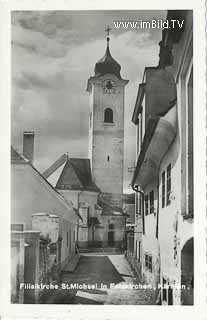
point(107, 65)
point(106, 125)
point(108, 29)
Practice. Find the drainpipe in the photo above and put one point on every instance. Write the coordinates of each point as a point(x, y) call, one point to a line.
point(141, 192)
point(135, 188)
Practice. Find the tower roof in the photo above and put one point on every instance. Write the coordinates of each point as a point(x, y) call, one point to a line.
point(107, 64)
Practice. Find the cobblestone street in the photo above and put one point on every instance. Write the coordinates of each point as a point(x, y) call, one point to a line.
point(108, 273)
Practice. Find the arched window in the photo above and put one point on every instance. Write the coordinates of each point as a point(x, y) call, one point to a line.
point(108, 115)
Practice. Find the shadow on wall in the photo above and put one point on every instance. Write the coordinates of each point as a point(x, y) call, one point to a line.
point(187, 273)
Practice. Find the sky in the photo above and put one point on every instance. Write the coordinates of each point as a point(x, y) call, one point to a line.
point(53, 55)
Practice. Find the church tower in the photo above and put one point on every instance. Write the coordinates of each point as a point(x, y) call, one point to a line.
point(106, 126)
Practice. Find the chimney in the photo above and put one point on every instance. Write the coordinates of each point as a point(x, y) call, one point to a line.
point(28, 145)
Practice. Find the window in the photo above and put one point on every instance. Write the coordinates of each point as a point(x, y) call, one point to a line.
point(70, 240)
point(139, 255)
point(73, 235)
point(167, 292)
point(170, 296)
point(164, 290)
point(67, 239)
point(108, 115)
point(84, 214)
point(151, 196)
point(148, 262)
point(163, 189)
point(108, 158)
point(138, 203)
point(168, 184)
point(111, 226)
point(146, 204)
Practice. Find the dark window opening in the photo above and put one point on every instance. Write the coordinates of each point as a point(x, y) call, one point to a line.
point(108, 158)
point(139, 256)
point(108, 115)
point(163, 189)
point(151, 196)
point(148, 262)
point(146, 205)
point(67, 239)
point(164, 290)
point(111, 226)
point(170, 296)
point(168, 184)
point(109, 85)
point(136, 250)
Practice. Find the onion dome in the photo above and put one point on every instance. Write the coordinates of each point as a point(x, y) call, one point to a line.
point(107, 64)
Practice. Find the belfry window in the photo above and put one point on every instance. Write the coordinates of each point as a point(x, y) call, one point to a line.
point(108, 115)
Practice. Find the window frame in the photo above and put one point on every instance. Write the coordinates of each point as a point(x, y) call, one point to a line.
point(168, 185)
point(108, 115)
point(146, 204)
point(151, 202)
point(148, 262)
point(163, 188)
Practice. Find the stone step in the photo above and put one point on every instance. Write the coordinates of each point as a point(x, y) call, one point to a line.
point(99, 250)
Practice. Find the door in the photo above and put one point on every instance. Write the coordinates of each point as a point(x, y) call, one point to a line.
point(111, 238)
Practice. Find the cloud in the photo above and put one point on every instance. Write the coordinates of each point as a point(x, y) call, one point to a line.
point(53, 55)
point(80, 26)
point(36, 42)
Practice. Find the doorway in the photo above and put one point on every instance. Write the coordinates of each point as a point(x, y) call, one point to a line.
point(111, 238)
point(187, 272)
point(111, 235)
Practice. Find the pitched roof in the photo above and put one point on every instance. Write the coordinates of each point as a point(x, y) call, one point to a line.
point(16, 157)
point(76, 175)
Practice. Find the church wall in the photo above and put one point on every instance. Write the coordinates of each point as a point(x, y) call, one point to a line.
point(108, 138)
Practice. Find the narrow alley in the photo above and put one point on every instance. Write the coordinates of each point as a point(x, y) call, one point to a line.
point(111, 276)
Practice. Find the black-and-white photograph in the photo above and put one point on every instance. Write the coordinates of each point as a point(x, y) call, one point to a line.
point(102, 171)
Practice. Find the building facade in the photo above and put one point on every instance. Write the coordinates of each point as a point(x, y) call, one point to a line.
point(43, 226)
point(163, 177)
point(106, 143)
point(95, 184)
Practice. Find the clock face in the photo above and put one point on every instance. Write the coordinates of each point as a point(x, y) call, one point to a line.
point(109, 86)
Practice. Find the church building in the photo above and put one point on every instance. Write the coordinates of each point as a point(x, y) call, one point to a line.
point(95, 185)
